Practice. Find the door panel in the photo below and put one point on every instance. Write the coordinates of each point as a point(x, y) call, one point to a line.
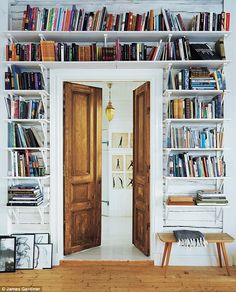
point(82, 167)
point(141, 172)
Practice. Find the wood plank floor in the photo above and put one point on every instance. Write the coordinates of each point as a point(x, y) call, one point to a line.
point(123, 277)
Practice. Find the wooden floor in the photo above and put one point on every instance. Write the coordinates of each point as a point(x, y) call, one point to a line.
point(122, 277)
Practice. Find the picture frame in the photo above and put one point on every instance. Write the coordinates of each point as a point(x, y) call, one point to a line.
point(117, 162)
point(129, 181)
point(24, 251)
point(7, 254)
point(41, 238)
point(129, 163)
point(119, 140)
point(43, 256)
point(131, 139)
point(118, 181)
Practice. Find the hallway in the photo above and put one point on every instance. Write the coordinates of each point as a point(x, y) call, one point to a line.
point(116, 243)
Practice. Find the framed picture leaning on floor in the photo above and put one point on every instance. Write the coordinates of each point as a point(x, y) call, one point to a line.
point(7, 254)
point(24, 251)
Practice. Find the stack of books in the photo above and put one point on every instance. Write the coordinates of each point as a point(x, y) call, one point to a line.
point(188, 137)
point(19, 108)
point(211, 198)
point(24, 195)
point(180, 201)
point(19, 136)
point(196, 108)
point(197, 79)
point(185, 165)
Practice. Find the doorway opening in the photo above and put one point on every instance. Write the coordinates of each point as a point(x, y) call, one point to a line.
point(106, 200)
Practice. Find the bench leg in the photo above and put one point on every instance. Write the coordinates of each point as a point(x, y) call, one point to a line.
point(225, 258)
point(164, 254)
point(219, 253)
point(168, 256)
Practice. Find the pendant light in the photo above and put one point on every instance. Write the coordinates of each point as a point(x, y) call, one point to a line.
point(109, 111)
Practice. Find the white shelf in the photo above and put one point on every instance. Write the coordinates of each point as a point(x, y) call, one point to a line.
point(27, 148)
point(177, 92)
point(28, 121)
point(28, 177)
point(196, 121)
point(124, 36)
point(193, 149)
point(195, 206)
point(27, 93)
point(119, 64)
point(195, 178)
point(43, 205)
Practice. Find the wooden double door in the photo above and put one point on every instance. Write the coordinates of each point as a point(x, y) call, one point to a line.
point(83, 167)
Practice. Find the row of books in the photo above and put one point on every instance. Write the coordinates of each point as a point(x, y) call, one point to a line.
point(19, 108)
point(185, 165)
point(23, 52)
point(210, 21)
point(26, 164)
point(17, 79)
point(65, 19)
point(24, 195)
point(185, 137)
point(180, 49)
point(197, 79)
point(52, 51)
point(196, 108)
point(211, 198)
point(24, 136)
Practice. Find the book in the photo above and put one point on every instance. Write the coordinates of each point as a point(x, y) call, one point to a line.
point(47, 50)
point(180, 200)
point(203, 52)
point(220, 49)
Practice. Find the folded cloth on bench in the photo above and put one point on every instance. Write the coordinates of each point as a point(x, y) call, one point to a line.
point(190, 238)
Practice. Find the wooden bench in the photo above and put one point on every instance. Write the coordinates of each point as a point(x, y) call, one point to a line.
point(219, 238)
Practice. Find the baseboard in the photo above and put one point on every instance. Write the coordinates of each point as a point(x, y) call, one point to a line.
point(74, 263)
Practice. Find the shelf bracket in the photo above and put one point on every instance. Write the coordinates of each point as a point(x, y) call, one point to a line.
point(41, 214)
point(44, 98)
point(44, 73)
point(44, 128)
point(40, 185)
point(166, 213)
point(105, 39)
point(11, 38)
point(44, 155)
point(14, 214)
point(42, 37)
point(219, 216)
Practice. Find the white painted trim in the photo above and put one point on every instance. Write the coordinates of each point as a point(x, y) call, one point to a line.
point(56, 137)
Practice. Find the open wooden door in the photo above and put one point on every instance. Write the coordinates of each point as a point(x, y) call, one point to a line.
point(141, 170)
point(82, 167)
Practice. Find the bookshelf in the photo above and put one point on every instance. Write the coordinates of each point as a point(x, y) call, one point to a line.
point(172, 183)
point(28, 154)
point(109, 37)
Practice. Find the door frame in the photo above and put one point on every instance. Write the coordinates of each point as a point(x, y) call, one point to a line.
point(57, 77)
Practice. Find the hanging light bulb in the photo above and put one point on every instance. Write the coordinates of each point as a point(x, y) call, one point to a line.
point(109, 111)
